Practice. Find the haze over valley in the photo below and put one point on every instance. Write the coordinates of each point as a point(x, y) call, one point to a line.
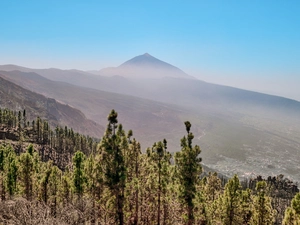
point(150, 112)
point(239, 131)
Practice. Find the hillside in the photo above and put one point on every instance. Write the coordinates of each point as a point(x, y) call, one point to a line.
point(151, 120)
point(116, 84)
point(237, 128)
point(63, 177)
point(17, 98)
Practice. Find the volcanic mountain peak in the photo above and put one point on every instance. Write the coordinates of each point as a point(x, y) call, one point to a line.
point(145, 60)
point(145, 66)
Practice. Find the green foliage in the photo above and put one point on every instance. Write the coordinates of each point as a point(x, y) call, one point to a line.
point(263, 213)
point(26, 174)
point(65, 188)
point(116, 183)
point(44, 183)
point(160, 159)
point(296, 203)
point(231, 199)
point(112, 148)
point(246, 206)
point(3, 155)
point(79, 178)
point(188, 170)
point(292, 213)
point(24, 118)
point(30, 149)
point(11, 171)
point(211, 191)
point(8, 169)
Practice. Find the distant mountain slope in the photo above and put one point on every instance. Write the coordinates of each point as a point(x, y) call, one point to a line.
point(194, 93)
point(141, 67)
point(239, 131)
point(183, 92)
point(151, 121)
point(11, 67)
point(144, 66)
point(51, 73)
point(76, 77)
point(17, 98)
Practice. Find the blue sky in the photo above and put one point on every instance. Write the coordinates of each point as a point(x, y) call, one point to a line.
point(249, 44)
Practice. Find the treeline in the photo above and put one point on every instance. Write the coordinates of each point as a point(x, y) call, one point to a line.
point(57, 145)
point(118, 184)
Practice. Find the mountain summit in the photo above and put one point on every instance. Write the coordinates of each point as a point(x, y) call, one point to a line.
point(145, 60)
point(145, 66)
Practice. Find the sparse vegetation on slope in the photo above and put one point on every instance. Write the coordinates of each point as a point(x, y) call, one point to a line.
point(16, 98)
point(116, 183)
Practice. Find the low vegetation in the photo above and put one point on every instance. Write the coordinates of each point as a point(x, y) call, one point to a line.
point(62, 177)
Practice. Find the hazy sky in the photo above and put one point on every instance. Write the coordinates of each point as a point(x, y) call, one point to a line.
point(248, 44)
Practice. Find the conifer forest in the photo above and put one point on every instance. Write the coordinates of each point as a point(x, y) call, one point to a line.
point(58, 176)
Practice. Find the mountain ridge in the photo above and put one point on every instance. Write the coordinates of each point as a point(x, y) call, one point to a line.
point(15, 97)
point(138, 114)
point(236, 127)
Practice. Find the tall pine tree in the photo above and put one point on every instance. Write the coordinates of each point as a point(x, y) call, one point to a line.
point(188, 170)
point(263, 212)
point(114, 164)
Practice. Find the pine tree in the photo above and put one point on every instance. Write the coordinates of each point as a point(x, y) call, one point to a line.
point(19, 122)
point(188, 169)
point(231, 202)
point(2, 186)
point(114, 164)
point(132, 164)
point(3, 155)
point(79, 178)
point(211, 193)
point(11, 171)
point(65, 188)
point(292, 213)
point(147, 189)
point(33, 125)
point(161, 160)
point(44, 183)
point(212, 187)
point(91, 183)
point(39, 129)
point(136, 149)
point(54, 182)
point(45, 134)
point(24, 118)
point(263, 212)
point(26, 172)
point(246, 206)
